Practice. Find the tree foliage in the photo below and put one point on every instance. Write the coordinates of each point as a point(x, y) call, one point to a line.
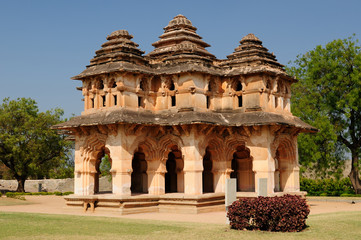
point(328, 96)
point(28, 147)
point(105, 166)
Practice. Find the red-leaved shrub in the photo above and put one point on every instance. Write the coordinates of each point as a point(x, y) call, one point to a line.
point(280, 214)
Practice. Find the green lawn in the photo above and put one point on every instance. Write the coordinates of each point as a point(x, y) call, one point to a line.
point(43, 226)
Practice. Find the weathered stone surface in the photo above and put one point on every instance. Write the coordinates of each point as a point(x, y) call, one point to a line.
point(185, 118)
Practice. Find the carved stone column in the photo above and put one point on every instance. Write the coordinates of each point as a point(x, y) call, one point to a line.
point(180, 174)
point(263, 166)
point(121, 170)
point(193, 168)
point(156, 177)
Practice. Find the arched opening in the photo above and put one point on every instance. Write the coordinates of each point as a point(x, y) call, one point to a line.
point(101, 84)
point(207, 174)
point(284, 168)
point(141, 99)
point(103, 101)
point(173, 101)
point(115, 98)
point(174, 177)
point(173, 97)
point(239, 94)
point(242, 169)
point(171, 86)
point(141, 102)
point(139, 178)
point(103, 176)
point(276, 102)
point(208, 98)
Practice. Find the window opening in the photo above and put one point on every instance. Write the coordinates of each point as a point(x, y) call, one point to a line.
point(173, 101)
point(104, 102)
point(172, 87)
point(208, 102)
point(240, 101)
point(115, 100)
point(209, 87)
point(239, 86)
point(239, 96)
point(101, 85)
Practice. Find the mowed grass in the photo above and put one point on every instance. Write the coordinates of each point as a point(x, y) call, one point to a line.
point(345, 225)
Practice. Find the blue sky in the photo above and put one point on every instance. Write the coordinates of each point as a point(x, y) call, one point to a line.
point(44, 43)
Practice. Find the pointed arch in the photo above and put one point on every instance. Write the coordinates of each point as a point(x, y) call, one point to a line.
point(232, 142)
point(284, 153)
point(239, 159)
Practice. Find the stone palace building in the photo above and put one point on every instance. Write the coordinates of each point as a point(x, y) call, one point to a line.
point(177, 122)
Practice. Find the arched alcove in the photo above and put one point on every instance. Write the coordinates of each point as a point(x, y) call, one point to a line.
point(207, 174)
point(174, 176)
point(284, 168)
point(242, 169)
point(239, 88)
point(139, 178)
point(103, 164)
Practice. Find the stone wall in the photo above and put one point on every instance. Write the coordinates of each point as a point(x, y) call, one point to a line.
point(50, 185)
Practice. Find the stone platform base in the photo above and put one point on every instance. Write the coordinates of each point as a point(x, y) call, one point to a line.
point(144, 203)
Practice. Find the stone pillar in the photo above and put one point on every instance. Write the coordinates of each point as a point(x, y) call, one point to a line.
point(263, 164)
point(180, 174)
point(121, 168)
point(292, 183)
point(84, 171)
point(156, 177)
point(220, 174)
point(193, 168)
point(121, 173)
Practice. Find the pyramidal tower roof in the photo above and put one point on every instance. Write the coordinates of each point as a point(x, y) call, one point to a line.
point(118, 53)
point(119, 47)
point(180, 43)
point(250, 52)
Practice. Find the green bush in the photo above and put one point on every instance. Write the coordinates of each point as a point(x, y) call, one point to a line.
point(15, 195)
point(326, 187)
point(1, 194)
point(10, 194)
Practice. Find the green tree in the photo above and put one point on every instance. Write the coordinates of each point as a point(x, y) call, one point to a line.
point(328, 96)
point(28, 147)
point(105, 166)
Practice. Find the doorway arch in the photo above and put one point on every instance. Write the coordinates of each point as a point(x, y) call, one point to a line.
point(139, 177)
point(242, 169)
point(103, 165)
point(207, 174)
point(174, 176)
